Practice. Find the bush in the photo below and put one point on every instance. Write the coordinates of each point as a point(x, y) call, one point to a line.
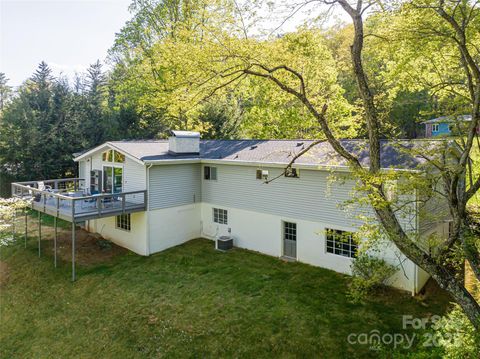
point(369, 274)
point(457, 336)
point(104, 244)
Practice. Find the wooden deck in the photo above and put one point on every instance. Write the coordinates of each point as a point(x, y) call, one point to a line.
point(71, 204)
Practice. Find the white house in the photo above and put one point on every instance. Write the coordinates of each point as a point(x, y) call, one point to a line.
point(164, 193)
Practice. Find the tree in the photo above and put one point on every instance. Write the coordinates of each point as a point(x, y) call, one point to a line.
point(459, 21)
point(94, 127)
point(5, 91)
point(39, 129)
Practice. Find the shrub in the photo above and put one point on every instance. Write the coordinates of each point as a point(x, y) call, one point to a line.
point(104, 244)
point(457, 336)
point(369, 274)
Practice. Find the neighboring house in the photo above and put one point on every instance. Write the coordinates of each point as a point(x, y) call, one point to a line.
point(159, 194)
point(447, 126)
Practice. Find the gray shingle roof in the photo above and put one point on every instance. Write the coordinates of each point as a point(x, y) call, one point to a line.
point(393, 154)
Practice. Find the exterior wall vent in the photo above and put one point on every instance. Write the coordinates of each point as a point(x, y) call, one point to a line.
point(184, 143)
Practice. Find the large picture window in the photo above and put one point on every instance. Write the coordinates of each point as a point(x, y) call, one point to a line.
point(341, 243)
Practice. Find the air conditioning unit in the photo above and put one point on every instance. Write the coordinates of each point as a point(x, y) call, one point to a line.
point(224, 243)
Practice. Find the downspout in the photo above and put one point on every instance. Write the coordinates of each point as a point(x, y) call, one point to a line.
point(148, 208)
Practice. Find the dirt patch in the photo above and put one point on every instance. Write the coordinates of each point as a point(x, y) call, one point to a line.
point(90, 248)
point(4, 274)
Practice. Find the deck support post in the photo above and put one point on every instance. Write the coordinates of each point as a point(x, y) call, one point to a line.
point(39, 232)
point(14, 222)
point(55, 242)
point(26, 229)
point(73, 251)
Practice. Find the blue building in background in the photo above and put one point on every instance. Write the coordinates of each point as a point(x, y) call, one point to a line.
point(447, 126)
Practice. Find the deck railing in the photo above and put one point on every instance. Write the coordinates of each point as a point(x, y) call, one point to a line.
point(65, 198)
point(58, 185)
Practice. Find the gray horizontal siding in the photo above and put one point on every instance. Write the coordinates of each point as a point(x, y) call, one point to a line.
point(432, 212)
point(314, 196)
point(174, 185)
point(309, 197)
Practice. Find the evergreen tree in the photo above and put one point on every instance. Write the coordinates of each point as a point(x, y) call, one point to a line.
point(5, 91)
point(93, 124)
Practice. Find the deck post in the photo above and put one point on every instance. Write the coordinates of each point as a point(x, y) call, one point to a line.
point(26, 229)
point(55, 242)
point(73, 251)
point(14, 222)
point(39, 232)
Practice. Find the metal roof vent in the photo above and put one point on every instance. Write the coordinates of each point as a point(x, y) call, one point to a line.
point(184, 143)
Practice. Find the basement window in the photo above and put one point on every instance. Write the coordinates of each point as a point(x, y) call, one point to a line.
point(210, 173)
point(292, 172)
point(123, 222)
point(220, 216)
point(341, 243)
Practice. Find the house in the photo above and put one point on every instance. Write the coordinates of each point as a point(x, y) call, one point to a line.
point(447, 125)
point(148, 196)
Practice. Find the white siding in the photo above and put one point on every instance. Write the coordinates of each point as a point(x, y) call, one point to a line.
point(173, 226)
point(83, 172)
point(134, 179)
point(134, 173)
point(135, 239)
point(263, 232)
point(174, 185)
point(134, 176)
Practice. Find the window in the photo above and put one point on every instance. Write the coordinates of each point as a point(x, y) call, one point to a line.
point(210, 173)
point(123, 222)
point(341, 243)
point(291, 172)
point(113, 156)
point(435, 127)
point(119, 157)
point(290, 231)
point(107, 156)
point(220, 216)
point(262, 174)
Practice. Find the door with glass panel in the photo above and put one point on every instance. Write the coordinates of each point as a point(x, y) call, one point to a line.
point(112, 179)
point(290, 239)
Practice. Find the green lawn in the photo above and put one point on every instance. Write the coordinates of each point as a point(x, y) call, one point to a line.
point(189, 301)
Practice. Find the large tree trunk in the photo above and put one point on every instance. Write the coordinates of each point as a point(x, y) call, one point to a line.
point(444, 276)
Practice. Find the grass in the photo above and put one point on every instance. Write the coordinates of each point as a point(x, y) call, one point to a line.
point(189, 301)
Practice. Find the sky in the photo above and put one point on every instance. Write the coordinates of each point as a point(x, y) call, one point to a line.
point(67, 34)
point(72, 34)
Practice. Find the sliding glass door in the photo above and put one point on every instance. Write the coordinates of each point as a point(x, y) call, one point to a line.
point(112, 179)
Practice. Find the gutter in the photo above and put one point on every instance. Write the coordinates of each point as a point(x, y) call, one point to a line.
point(265, 164)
